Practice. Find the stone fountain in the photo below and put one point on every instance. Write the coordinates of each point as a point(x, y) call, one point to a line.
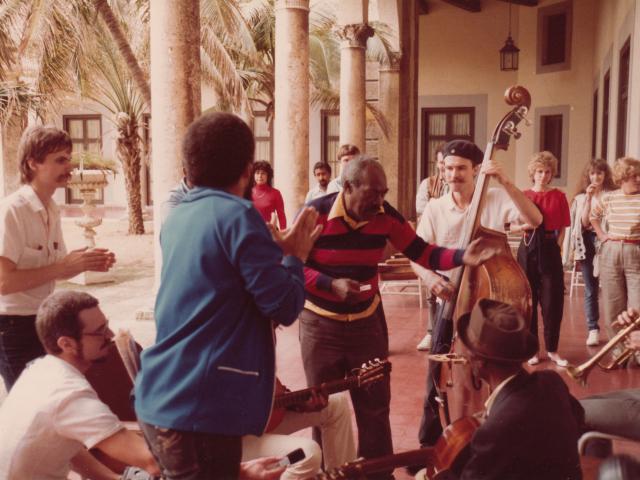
point(87, 182)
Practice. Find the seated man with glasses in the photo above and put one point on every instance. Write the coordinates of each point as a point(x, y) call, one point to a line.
point(52, 416)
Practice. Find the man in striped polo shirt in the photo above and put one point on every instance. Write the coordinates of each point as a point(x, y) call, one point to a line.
point(343, 323)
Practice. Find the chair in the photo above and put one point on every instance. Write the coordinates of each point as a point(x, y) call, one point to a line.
point(129, 352)
point(396, 275)
point(595, 435)
point(576, 278)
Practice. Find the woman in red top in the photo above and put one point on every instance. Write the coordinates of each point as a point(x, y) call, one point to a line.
point(539, 253)
point(265, 198)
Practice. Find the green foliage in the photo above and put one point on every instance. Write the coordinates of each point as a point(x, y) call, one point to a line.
point(93, 161)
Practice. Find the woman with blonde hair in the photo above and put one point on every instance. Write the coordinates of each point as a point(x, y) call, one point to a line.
point(620, 244)
point(539, 253)
point(594, 181)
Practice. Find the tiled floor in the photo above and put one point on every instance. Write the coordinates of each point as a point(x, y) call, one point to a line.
point(406, 327)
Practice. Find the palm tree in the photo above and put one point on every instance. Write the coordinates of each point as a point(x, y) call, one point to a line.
point(118, 35)
point(254, 61)
point(111, 87)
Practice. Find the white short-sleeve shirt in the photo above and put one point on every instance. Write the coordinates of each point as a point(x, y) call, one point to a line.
point(442, 221)
point(31, 237)
point(51, 413)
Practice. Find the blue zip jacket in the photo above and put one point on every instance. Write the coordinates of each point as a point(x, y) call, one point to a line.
point(223, 283)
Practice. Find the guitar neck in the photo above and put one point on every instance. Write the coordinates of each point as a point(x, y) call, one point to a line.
point(288, 399)
point(420, 457)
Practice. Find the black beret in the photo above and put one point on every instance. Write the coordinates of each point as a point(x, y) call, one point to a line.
point(464, 149)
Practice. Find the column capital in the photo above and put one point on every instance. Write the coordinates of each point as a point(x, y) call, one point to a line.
point(292, 5)
point(392, 64)
point(354, 35)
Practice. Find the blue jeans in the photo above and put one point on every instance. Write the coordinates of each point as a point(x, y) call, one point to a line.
point(19, 344)
point(194, 455)
point(591, 283)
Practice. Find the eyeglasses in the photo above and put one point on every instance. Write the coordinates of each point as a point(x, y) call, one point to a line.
point(101, 332)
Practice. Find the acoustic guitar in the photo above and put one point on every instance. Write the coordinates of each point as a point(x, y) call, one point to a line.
point(370, 372)
point(437, 459)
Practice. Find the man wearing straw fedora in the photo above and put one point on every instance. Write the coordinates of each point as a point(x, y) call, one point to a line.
point(532, 423)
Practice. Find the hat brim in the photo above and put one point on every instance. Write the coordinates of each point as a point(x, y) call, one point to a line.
point(530, 350)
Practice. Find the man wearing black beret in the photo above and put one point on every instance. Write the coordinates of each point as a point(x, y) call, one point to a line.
point(443, 221)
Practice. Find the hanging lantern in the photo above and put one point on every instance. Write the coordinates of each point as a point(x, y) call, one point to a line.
point(509, 53)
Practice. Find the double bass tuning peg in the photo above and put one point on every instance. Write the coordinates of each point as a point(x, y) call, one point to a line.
point(510, 129)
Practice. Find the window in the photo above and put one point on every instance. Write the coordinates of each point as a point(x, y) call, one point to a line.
point(605, 114)
point(594, 125)
point(623, 99)
point(86, 136)
point(554, 37)
point(264, 144)
point(440, 125)
point(330, 133)
point(551, 137)
point(552, 134)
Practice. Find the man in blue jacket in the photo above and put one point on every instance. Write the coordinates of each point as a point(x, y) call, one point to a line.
point(209, 378)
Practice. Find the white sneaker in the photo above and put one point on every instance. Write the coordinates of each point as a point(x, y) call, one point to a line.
point(421, 475)
point(534, 360)
point(425, 343)
point(594, 338)
point(557, 359)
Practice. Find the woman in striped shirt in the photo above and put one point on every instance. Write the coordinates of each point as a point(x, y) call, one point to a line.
point(619, 262)
point(596, 180)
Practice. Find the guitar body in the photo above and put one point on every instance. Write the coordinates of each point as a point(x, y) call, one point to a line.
point(277, 414)
point(437, 459)
point(373, 371)
point(450, 445)
point(501, 278)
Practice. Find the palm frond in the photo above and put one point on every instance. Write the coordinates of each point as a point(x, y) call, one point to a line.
point(225, 18)
point(379, 46)
point(17, 98)
point(10, 15)
point(217, 57)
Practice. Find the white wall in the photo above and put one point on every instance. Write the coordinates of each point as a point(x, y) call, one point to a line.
point(459, 57)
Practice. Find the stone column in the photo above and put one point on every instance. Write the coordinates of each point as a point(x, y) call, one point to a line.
point(175, 94)
point(291, 119)
point(408, 109)
point(352, 83)
point(389, 105)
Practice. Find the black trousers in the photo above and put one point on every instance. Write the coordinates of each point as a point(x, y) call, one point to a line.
point(543, 266)
point(19, 344)
point(194, 455)
point(330, 350)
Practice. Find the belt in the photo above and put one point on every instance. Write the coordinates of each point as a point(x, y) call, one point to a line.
point(635, 241)
point(551, 234)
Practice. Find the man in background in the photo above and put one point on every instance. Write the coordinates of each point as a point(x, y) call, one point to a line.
point(345, 154)
point(322, 172)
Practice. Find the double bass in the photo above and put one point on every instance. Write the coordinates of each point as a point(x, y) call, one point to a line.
point(500, 278)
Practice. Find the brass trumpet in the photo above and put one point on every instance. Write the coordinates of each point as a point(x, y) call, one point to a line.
point(581, 372)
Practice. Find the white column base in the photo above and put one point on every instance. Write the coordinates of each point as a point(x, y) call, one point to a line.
point(91, 278)
point(145, 313)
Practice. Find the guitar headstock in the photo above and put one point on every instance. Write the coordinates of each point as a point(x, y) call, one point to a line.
point(372, 371)
point(520, 98)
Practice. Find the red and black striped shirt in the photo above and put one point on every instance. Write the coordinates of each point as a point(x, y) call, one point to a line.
point(350, 249)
